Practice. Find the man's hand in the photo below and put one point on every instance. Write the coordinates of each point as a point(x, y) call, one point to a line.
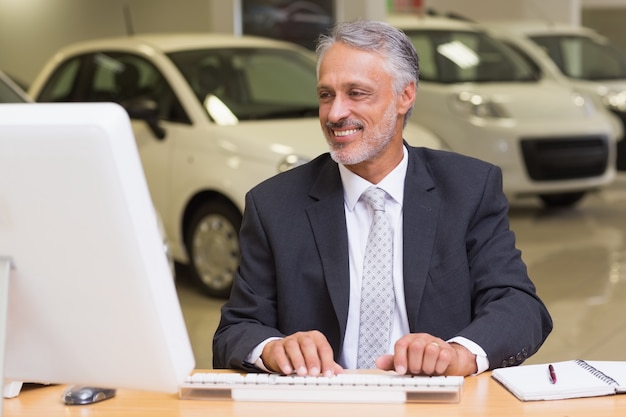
point(423, 354)
point(306, 353)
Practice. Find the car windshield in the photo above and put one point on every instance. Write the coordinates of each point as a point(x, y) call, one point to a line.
point(584, 57)
point(448, 56)
point(251, 83)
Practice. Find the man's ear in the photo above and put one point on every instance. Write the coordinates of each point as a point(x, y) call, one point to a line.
point(407, 98)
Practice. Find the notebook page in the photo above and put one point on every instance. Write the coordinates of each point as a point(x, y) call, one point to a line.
point(532, 382)
point(615, 370)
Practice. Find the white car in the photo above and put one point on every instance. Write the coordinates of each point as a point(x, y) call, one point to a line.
point(482, 99)
point(213, 115)
point(585, 58)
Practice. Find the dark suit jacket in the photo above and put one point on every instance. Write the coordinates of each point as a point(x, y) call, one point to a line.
point(463, 275)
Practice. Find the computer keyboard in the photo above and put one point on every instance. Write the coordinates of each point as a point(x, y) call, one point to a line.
point(343, 388)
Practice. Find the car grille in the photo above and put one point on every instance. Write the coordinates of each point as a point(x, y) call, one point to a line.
point(565, 158)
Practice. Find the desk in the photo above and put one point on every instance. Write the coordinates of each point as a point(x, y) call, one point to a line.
point(482, 397)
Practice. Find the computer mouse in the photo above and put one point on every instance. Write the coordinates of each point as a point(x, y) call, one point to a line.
point(80, 395)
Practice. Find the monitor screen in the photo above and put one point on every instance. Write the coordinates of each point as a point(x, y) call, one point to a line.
point(91, 297)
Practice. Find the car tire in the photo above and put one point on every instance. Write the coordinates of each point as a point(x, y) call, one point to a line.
point(561, 200)
point(212, 243)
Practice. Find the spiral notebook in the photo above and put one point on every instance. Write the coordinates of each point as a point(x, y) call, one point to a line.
point(573, 379)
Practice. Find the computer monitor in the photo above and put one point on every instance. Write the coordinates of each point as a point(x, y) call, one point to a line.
point(91, 296)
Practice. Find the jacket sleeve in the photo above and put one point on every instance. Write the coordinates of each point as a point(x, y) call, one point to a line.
point(510, 322)
point(249, 316)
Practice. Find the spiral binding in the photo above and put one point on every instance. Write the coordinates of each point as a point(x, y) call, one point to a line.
point(596, 372)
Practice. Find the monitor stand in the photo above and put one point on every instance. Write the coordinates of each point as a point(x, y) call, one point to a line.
point(10, 389)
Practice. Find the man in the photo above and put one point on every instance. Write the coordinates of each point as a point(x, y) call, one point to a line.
point(461, 300)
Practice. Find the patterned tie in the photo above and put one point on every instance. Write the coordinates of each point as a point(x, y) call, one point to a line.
point(377, 296)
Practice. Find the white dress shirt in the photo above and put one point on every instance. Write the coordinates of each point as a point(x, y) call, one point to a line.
point(358, 220)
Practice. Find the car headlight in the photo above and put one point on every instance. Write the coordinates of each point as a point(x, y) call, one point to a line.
point(291, 161)
point(585, 102)
point(471, 104)
point(615, 100)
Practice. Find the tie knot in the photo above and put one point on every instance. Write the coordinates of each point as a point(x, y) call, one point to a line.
point(375, 198)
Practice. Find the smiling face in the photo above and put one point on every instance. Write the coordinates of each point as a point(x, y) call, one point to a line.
point(361, 116)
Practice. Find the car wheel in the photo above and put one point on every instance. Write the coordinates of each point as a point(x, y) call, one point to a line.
point(212, 242)
point(562, 200)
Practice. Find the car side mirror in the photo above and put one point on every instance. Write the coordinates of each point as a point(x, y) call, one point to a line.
point(146, 110)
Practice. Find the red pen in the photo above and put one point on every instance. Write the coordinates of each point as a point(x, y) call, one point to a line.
point(552, 374)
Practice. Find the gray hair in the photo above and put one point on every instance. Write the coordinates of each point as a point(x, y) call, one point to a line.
point(401, 60)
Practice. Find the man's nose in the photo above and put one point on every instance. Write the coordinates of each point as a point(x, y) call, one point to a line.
point(339, 109)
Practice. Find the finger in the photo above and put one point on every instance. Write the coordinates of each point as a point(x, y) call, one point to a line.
point(385, 362)
point(430, 357)
point(328, 365)
point(401, 356)
point(336, 369)
point(311, 355)
point(326, 356)
point(275, 358)
point(445, 360)
point(295, 356)
point(316, 355)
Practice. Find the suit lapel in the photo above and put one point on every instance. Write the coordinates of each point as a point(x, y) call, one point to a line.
point(420, 216)
point(328, 224)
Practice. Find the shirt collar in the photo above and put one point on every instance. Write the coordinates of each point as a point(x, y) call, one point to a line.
point(393, 183)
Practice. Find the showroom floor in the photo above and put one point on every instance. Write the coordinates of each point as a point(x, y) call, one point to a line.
point(576, 257)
